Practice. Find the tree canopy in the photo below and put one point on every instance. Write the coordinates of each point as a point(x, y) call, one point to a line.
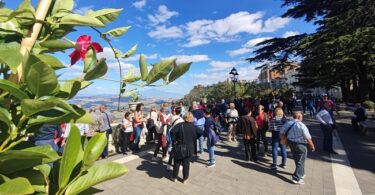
point(340, 52)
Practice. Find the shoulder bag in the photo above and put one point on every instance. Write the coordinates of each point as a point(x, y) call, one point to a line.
point(284, 137)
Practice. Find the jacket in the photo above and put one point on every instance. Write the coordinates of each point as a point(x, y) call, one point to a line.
point(248, 127)
point(190, 135)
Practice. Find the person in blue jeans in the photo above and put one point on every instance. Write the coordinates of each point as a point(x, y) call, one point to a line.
point(276, 123)
point(139, 121)
point(199, 122)
point(298, 139)
point(212, 137)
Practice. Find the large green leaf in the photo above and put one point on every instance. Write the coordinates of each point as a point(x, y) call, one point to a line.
point(96, 174)
point(78, 20)
point(130, 52)
point(6, 117)
point(57, 44)
point(16, 186)
point(105, 15)
point(90, 59)
point(4, 14)
point(72, 156)
point(118, 31)
point(71, 88)
point(94, 149)
point(51, 61)
point(10, 57)
point(24, 14)
point(31, 106)
point(131, 77)
point(160, 70)
point(98, 70)
point(15, 160)
point(11, 27)
point(13, 89)
point(35, 177)
point(41, 79)
point(143, 67)
point(62, 5)
point(178, 71)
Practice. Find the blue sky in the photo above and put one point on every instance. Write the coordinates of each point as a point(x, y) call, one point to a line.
point(215, 35)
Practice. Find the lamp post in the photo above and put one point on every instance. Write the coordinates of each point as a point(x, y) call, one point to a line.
point(234, 78)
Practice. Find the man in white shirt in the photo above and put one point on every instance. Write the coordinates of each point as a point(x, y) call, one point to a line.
point(298, 139)
point(326, 123)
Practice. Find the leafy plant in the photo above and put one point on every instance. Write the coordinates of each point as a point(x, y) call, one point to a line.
point(369, 104)
point(31, 95)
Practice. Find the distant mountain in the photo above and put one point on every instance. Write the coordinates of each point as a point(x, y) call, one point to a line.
point(156, 93)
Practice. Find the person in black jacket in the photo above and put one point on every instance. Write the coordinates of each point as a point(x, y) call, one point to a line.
point(184, 133)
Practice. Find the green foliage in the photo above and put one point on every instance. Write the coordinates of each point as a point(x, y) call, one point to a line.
point(178, 71)
point(340, 52)
point(37, 99)
point(369, 104)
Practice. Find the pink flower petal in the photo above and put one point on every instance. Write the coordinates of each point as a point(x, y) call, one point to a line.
point(97, 47)
point(84, 40)
point(74, 57)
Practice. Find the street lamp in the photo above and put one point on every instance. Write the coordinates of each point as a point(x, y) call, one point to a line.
point(234, 78)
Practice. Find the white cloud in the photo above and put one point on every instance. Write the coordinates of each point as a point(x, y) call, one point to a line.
point(108, 54)
point(124, 66)
point(83, 10)
point(290, 33)
point(139, 4)
point(238, 52)
point(274, 23)
point(205, 31)
point(162, 15)
point(162, 32)
point(254, 42)
point(247, 47)
point(223, 65)
point(189, 58)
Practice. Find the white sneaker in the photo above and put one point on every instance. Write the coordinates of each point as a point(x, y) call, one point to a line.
point(300, 182)
point(165, 158)
point(211, 165)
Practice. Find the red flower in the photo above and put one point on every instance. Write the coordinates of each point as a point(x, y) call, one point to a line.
point(81, 47)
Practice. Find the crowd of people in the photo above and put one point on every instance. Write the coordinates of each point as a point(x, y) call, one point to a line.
point(180, 131)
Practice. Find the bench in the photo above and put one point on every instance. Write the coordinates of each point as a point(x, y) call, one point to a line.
point(368, 127)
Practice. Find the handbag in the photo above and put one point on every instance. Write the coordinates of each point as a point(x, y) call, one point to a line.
point(284, 137)
point(181, 150)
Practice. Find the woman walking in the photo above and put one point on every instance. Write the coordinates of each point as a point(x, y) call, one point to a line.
point(184, 135)
point(263, 124)
point(212, 137)
point(175, 119)
point(276, 123)
point(232, 119)
point(249, 129)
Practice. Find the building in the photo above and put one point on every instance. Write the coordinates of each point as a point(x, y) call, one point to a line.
point(288, 77)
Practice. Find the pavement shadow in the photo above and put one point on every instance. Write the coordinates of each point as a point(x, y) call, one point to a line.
point(153, 169)
point(263, 169)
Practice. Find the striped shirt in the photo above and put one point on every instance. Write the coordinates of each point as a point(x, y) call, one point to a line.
point(299, 133)
point(277, 123)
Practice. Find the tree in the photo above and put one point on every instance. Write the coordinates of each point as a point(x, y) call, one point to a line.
point(340, 52)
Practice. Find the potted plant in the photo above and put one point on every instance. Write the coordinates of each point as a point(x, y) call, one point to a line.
point(134, 101)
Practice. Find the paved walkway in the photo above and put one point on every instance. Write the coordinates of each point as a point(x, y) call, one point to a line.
point(232, 175)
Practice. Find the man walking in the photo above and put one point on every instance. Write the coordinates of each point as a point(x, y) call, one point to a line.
point(326, 123)
point(107, 119)
point(298, 138)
